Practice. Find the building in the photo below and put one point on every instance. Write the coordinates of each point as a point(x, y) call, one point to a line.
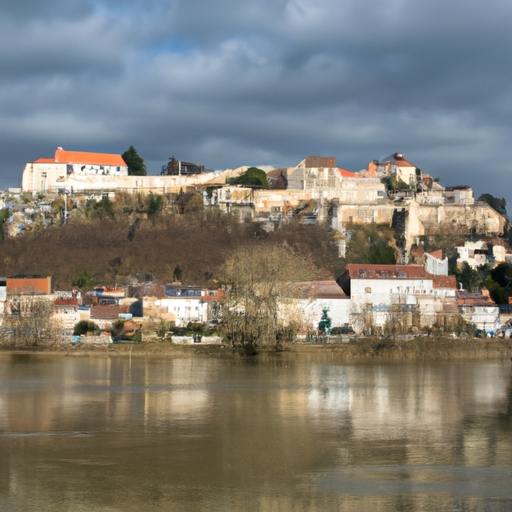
point(481, 252)
point(29, 285)
point(177, 167)
point(480, 310)
point(187, 303)
point(399, 168)
point(307, 301)
point(405, 296)
point(435, 264)
point(321, 177)
point(51, 174)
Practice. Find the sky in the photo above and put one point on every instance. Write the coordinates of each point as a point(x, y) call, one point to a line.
point(231, 83)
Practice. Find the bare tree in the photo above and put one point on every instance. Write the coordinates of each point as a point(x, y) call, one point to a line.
point(254, 277)
point(29, 321)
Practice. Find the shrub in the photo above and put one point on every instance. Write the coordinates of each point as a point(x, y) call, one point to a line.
point(83, 327)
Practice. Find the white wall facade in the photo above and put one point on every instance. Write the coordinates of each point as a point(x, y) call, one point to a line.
point(338, 311)
point(388, 291)
point(436, 266)
point(186, 309)
point(486, 318)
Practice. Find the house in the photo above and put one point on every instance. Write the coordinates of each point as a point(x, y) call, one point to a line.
point(51, 174)
point(187, 303)
point(399, 168)
point(459, 194)
point(479, 310)
point(105, 315)
point(435, 264)
point(481, 252)
point(307, 300)
point(66, 311)
point(402, 294)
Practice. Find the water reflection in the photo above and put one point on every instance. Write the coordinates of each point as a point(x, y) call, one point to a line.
point(287, 433)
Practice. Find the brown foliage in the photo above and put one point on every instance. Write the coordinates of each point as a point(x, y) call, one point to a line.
point(112, 250)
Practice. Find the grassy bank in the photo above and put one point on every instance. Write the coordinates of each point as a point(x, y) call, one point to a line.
point(355, 350)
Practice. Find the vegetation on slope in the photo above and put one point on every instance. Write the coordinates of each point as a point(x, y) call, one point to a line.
point(116, 248)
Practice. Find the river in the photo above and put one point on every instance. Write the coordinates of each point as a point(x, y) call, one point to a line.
point(280, 433)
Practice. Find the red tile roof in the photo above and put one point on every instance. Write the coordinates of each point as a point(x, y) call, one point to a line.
point(437, 254)
point(474, 299)
point(110, 312)
point(402, 162)
point(417, 251)
point(65, 302)
point(220, 294)
point(445, 282)
point(360, 271)
point(346, 174)
point(79, 157)
point(45, 161)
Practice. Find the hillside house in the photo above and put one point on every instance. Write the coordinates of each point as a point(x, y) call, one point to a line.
point(435, 264)
point(481, 252)
point(51, 174)
point(399, 168)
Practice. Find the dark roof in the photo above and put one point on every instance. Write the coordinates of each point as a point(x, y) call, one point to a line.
point(473, 299)
point(110, 312)
point(367, 271)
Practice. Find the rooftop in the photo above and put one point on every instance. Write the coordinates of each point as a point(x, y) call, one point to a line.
point(473, 299)
point(362, 271)
point(79, 157)
point(317, 289)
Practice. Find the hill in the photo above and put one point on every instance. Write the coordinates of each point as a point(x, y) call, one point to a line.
point(116, 250)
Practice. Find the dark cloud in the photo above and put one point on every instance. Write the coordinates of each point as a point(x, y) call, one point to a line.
point(232, 83)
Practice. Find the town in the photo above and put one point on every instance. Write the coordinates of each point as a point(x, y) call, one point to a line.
point(412, 287)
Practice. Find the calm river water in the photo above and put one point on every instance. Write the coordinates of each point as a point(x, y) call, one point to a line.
point(285, 433)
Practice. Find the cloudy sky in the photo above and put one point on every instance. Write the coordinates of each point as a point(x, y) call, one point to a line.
point(230, 83)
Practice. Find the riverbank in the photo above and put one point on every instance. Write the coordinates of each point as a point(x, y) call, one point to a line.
point(421, 348)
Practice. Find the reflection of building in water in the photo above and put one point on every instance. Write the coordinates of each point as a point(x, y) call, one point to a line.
point(215, 434)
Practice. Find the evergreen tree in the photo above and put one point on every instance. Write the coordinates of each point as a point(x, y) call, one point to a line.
point(134, 162)
point(177, 274)
point(500, 205)
point(155, 204)
point(325, 322)
point(253, 176)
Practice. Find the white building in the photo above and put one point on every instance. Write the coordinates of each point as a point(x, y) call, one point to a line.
point(480, 253)
point(435, 264)
point(51, 174)
point(324, 180)
point(308, 300)
point(398, 293)
point(479, 310)
point(188, 303)
point(399, 168)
